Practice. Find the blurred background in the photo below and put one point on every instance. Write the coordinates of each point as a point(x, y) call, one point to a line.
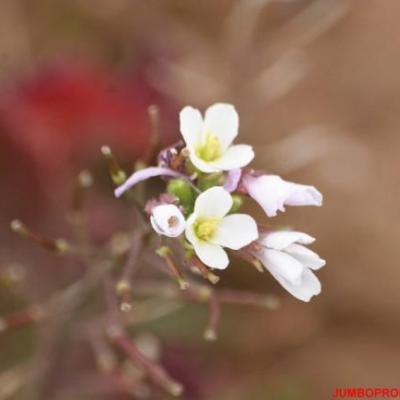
point(317, 87)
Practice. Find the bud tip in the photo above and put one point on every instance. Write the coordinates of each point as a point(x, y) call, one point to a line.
point(214, 279)
point(106, 150)
point(176, 389)
point(271, 302)
point(85, 178)
point(16, 225)
point(126, 307)
point(210, 335)
point(184, 285)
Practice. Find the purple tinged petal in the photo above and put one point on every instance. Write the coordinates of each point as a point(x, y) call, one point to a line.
point(273, 193)
point(291, 263)
point(144, 174)
point(233, 179)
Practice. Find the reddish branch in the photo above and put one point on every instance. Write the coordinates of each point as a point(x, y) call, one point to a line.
point(33, 314)
point(118, 335)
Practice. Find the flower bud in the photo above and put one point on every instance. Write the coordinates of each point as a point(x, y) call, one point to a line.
point(181, 189)
point(118, 175)
point(237, 204)
point(167, 220)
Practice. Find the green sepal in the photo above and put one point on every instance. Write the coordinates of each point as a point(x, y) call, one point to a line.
point(206, 181)
point(238, 201)
point(182, 189)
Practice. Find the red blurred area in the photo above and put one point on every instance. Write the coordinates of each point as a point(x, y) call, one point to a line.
point(60, 115)
point(54, 121)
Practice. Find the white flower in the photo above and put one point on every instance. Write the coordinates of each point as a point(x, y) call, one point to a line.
point(272, 193)
point(209, 228)
point(290, 263)
point(209, 141)
point(167, 220)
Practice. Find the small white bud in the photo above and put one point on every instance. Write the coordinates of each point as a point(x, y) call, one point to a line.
point(167, 220)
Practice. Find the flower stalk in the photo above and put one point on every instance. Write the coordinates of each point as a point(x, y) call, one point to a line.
point(166, 253)
point(60, 246)
point(210, 334)
point(204, 271)
point(118, 335)
point(153, 113)
point(117, 174)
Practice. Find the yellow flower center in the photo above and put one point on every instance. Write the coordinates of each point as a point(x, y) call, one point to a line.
point(205, 228)
point(210, 149)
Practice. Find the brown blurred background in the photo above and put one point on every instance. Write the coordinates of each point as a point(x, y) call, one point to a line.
point(317, 87)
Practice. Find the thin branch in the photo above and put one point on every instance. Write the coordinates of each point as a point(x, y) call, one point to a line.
point(118, 335)
point(210, 333)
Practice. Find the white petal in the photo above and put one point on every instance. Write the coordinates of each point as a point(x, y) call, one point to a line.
point(282, 264)
point(155, 226)
point(303, 195)
point(307, 286)
point(222, 120)
point(189, 232)
point(191, 126)
point(236, 156)
point(267, 190)
point(236, 231)
point(307, 257)
point(214, 202)
point(210, 254)
point(161, 220)
point(200, 164)
point(272, 193)
point(279, 240)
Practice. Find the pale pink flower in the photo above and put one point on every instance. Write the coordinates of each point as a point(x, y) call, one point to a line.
point(272, 193)
point(284, 255)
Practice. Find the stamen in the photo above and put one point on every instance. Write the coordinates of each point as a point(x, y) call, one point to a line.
point(205, 228)
point(210, 149)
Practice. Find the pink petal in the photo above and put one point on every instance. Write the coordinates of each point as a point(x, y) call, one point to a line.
point(273, 193)
point(233, 179)
point(144, 174)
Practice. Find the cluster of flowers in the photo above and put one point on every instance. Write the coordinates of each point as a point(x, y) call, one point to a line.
point(207, 183)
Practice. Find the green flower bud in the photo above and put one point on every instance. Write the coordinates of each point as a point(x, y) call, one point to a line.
point(207, 181)
point(237, 204)
point(181, 189)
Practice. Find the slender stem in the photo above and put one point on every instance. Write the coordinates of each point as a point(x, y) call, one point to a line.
point(155, 134)
point(207, 274)
point(33, 314)
point(242, 298)
point(124, 286)
point(56, 245)
point(215, 315)
point(132, 265)
point(155, 372)
point(202, 293)
point(120, 338)
point(166, 253)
